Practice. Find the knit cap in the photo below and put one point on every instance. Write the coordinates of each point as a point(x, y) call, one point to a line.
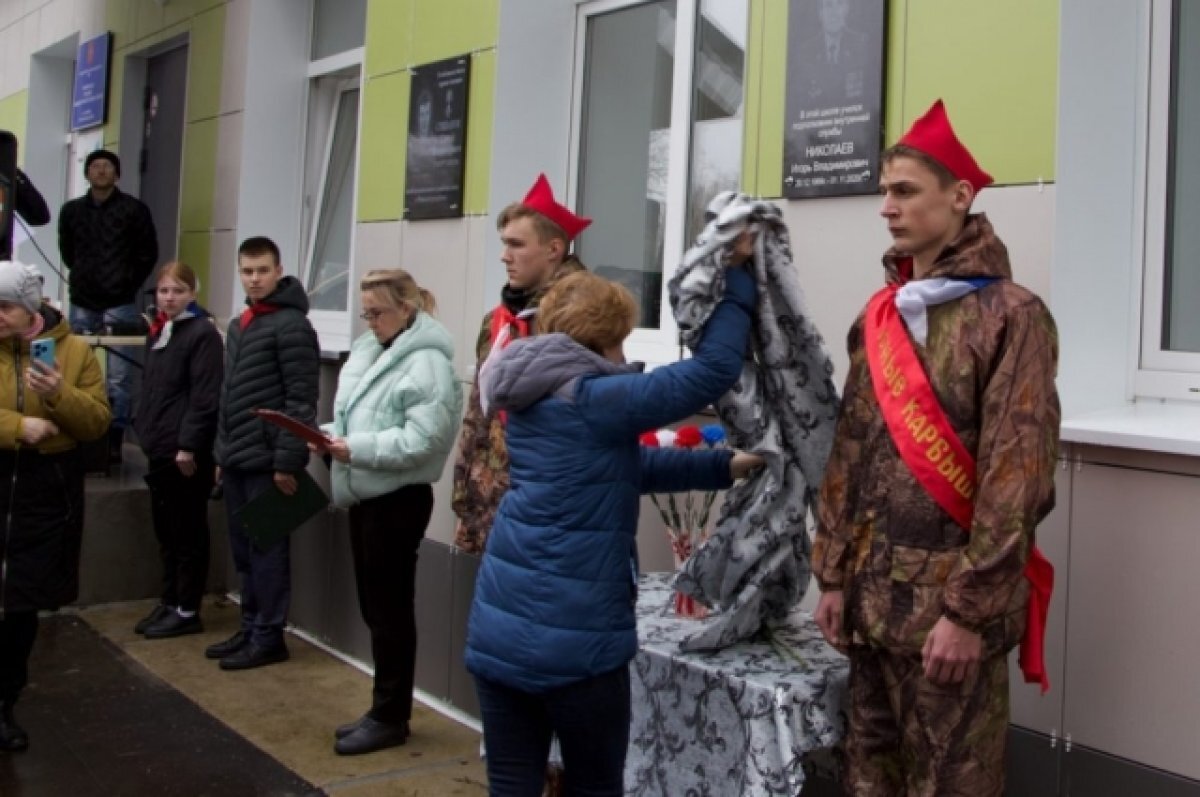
point(20, 284)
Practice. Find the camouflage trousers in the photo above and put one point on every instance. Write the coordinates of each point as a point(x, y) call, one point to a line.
point(910, 737)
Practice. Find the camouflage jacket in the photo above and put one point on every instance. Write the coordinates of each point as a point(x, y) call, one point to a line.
point(903, 563)
point(481, 464)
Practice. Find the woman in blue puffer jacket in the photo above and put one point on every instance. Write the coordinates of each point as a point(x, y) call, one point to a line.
point(552, 626)
point(395, 417)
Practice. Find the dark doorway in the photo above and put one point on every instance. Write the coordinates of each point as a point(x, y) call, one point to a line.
point(161, 154)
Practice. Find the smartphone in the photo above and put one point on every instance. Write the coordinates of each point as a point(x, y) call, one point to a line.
point(42, 350)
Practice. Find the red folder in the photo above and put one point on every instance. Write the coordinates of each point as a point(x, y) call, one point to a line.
point(301, 430)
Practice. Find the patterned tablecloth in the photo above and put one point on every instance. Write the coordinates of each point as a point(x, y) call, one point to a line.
point(735, 722)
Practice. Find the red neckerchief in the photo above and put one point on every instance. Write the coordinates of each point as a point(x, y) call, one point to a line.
point(160, 321)
point(930, 448)
point(503, 317)
point(256, 309)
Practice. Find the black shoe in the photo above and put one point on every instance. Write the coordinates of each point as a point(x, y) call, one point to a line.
point(156, 614)
point(230, 646)
point(175, 624)
point(13, 738)
point(371, 735)
point(253, 655)
point(350, 727)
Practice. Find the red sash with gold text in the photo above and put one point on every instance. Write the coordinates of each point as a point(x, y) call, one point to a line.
point(938, 460)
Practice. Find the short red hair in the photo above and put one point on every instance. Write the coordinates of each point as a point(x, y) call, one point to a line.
point(593, 311)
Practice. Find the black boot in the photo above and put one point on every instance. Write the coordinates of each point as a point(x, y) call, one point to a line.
point(13, 738)
point(371, 735)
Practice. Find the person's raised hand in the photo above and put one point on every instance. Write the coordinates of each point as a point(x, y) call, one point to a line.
point(43, 379)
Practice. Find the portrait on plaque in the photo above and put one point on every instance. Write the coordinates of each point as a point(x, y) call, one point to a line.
point(437, 134)
point(834, 103)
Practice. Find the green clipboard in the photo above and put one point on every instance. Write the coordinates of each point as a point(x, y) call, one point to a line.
point(270, 516)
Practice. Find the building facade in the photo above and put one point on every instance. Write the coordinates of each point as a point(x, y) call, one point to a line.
point(291, 118)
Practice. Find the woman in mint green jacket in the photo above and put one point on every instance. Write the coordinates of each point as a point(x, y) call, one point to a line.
point(395, 419)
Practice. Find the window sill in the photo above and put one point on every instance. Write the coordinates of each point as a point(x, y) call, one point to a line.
point(1148, 425)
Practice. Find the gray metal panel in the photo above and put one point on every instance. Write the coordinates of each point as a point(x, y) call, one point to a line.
point(434, 580)
point(1132, 601)
point(220, 560)
point(1030, 708)
point(1031, 768)
point(464, 567)
point(342, 624)
point(119, 560)
point(1087, 773)
point(310, 573)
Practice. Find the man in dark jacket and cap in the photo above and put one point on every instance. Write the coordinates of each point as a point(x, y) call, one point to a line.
point(108, 243)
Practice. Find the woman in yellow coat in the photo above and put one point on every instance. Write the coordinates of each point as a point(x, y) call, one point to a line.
point(45, 411)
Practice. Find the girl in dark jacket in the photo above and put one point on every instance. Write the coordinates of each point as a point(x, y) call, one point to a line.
point(176, 423)
point(45, 411)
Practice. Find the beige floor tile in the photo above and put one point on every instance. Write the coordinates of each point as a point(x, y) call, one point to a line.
point(290, 710)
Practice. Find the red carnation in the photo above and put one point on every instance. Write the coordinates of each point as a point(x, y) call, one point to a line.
point(688, 436)
point(648, 439)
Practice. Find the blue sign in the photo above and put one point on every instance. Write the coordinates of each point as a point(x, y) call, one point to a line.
point(89, 101)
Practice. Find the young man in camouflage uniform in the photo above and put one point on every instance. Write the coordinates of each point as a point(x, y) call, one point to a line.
point(928, 608)
point(536, 234)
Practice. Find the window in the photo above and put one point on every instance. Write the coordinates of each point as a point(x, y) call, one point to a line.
point(660, 101)
point(329, 258)
point(330, 166)
point(1170, 346)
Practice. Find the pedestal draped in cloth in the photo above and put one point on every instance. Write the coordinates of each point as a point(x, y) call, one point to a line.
point(755, 566)
point(747, 720)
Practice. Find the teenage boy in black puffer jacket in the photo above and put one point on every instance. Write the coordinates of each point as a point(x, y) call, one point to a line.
point(271, 362)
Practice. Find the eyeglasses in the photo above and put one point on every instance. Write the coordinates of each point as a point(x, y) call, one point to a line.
point(373, 315)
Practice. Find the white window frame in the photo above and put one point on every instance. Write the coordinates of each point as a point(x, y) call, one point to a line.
point(651, 346)
point(1160, 373)
point(334, 327)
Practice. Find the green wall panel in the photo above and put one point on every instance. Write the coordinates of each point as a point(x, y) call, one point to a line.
point(119, 17)
point(199, 176)
point(389, 36)
point(995, 65)
point(444, 28)
point(402, 34)
point(381, 162)
point(195, 249)
point(14, 115)
point(479, 132)
point(205, 55)
point(767, 52)
point(147, 20)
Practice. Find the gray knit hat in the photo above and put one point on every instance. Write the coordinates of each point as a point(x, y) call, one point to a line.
point(20, 284)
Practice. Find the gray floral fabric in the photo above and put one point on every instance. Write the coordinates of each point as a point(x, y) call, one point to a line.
point(743, 720)
point(755, 566)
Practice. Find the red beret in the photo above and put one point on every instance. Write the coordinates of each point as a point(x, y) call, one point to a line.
point(541, 199)
point(933, 135)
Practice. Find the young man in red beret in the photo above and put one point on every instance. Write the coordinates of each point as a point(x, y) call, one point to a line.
point(536, 234)
point(941, 469)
